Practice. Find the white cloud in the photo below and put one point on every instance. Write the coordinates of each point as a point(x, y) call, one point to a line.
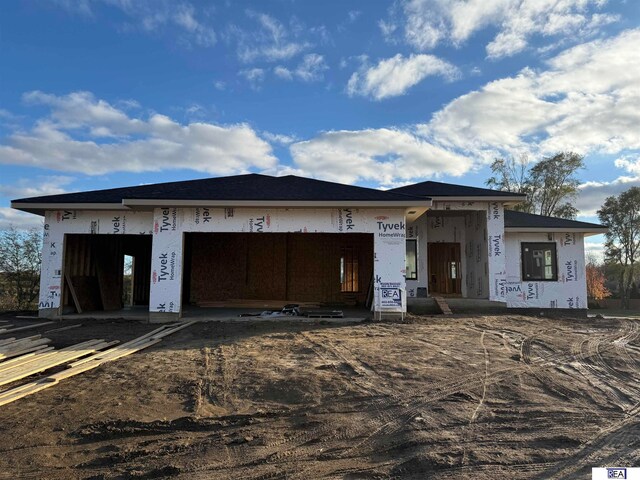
point(310, 69)
point(428, 23)
point(154, 16)
point(279, 138)
point(593, 194)
point(585, 102)
point(88, 135)
point(270, 42)
point(255, 77)
point(383, 155)
point(20, 220)
point(394, 76)
point(24, 188)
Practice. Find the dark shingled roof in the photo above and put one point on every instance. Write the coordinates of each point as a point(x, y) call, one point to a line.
point(439, 189)
point(513, 219)
point(238, 187)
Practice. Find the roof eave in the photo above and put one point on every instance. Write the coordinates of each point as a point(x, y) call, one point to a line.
point(41, 208)
point(506, 199)
point(146, 204)
point(588, 231)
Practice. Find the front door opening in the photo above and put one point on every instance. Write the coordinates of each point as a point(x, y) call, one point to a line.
point(444, 268)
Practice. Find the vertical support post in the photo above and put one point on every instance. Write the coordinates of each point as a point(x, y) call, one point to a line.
point(166, 265)
point(496, 264)
point(51, 268)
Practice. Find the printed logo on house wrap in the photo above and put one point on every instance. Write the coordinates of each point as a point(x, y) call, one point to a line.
point(260, 223)
point(169, 220)
point(494, 211)
point(346, 222)
point(165, 307)
point(118, 224)
point(167, 267)
point(570, 270)
point(202, 215)
point(496, 245)
point(63, 215)
point(568, 239)
point(532, 291)
point(391, 229)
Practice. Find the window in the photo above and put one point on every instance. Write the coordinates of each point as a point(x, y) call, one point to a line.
point(539, 261)
point(349, 270)
point(411, 272)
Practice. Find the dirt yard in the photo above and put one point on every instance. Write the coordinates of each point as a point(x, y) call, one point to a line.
point(473, 397)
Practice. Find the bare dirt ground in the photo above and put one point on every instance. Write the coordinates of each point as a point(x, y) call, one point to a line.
point(462, 397)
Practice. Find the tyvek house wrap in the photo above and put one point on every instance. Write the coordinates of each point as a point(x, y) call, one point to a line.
point(496, 263)
point(387, 227)
point(59, 222)
point(570, 291)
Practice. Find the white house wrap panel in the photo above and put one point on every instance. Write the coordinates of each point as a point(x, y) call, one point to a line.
point(59, 222)
point(387, 227)
point(569, 291)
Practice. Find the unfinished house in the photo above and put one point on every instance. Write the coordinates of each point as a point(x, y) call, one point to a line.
point(221, 241)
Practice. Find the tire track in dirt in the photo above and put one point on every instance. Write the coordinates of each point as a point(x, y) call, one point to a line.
point(591, 364)
point(624, 434)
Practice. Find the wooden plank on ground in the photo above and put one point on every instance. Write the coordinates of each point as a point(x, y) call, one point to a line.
point(27, 327)
point(58, 358)
point(96, 360)
point(62, 329)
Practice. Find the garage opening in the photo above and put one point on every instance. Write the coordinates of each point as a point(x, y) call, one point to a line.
point(105, 272)
point(323, 268)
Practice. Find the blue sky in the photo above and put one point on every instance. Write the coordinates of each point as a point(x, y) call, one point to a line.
point(103, 93)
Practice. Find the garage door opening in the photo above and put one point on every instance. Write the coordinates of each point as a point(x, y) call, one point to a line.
point(105, 272)
point(322, 268)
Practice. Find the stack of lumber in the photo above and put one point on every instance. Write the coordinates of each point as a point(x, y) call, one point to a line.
point(13, 347)
point(95, 359)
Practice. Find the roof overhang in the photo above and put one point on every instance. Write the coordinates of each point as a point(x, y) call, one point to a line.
point(587, 231)
point(41, 208)
point(143, 204)
point(417, 205)
point(506, 199)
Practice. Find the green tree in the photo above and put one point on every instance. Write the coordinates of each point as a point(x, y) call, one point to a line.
point(551, 185)
point(622, 247)
point(20, 258)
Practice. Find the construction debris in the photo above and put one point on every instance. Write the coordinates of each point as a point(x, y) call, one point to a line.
point(35, 363)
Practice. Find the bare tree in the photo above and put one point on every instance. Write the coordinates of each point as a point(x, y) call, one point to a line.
point(622, 247)
point(551, 185)
point(20, 259)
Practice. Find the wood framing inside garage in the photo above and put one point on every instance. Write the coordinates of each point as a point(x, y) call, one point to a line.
point(292, 267)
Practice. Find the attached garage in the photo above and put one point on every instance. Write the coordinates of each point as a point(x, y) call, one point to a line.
point(292, 267)
point(93, 271)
